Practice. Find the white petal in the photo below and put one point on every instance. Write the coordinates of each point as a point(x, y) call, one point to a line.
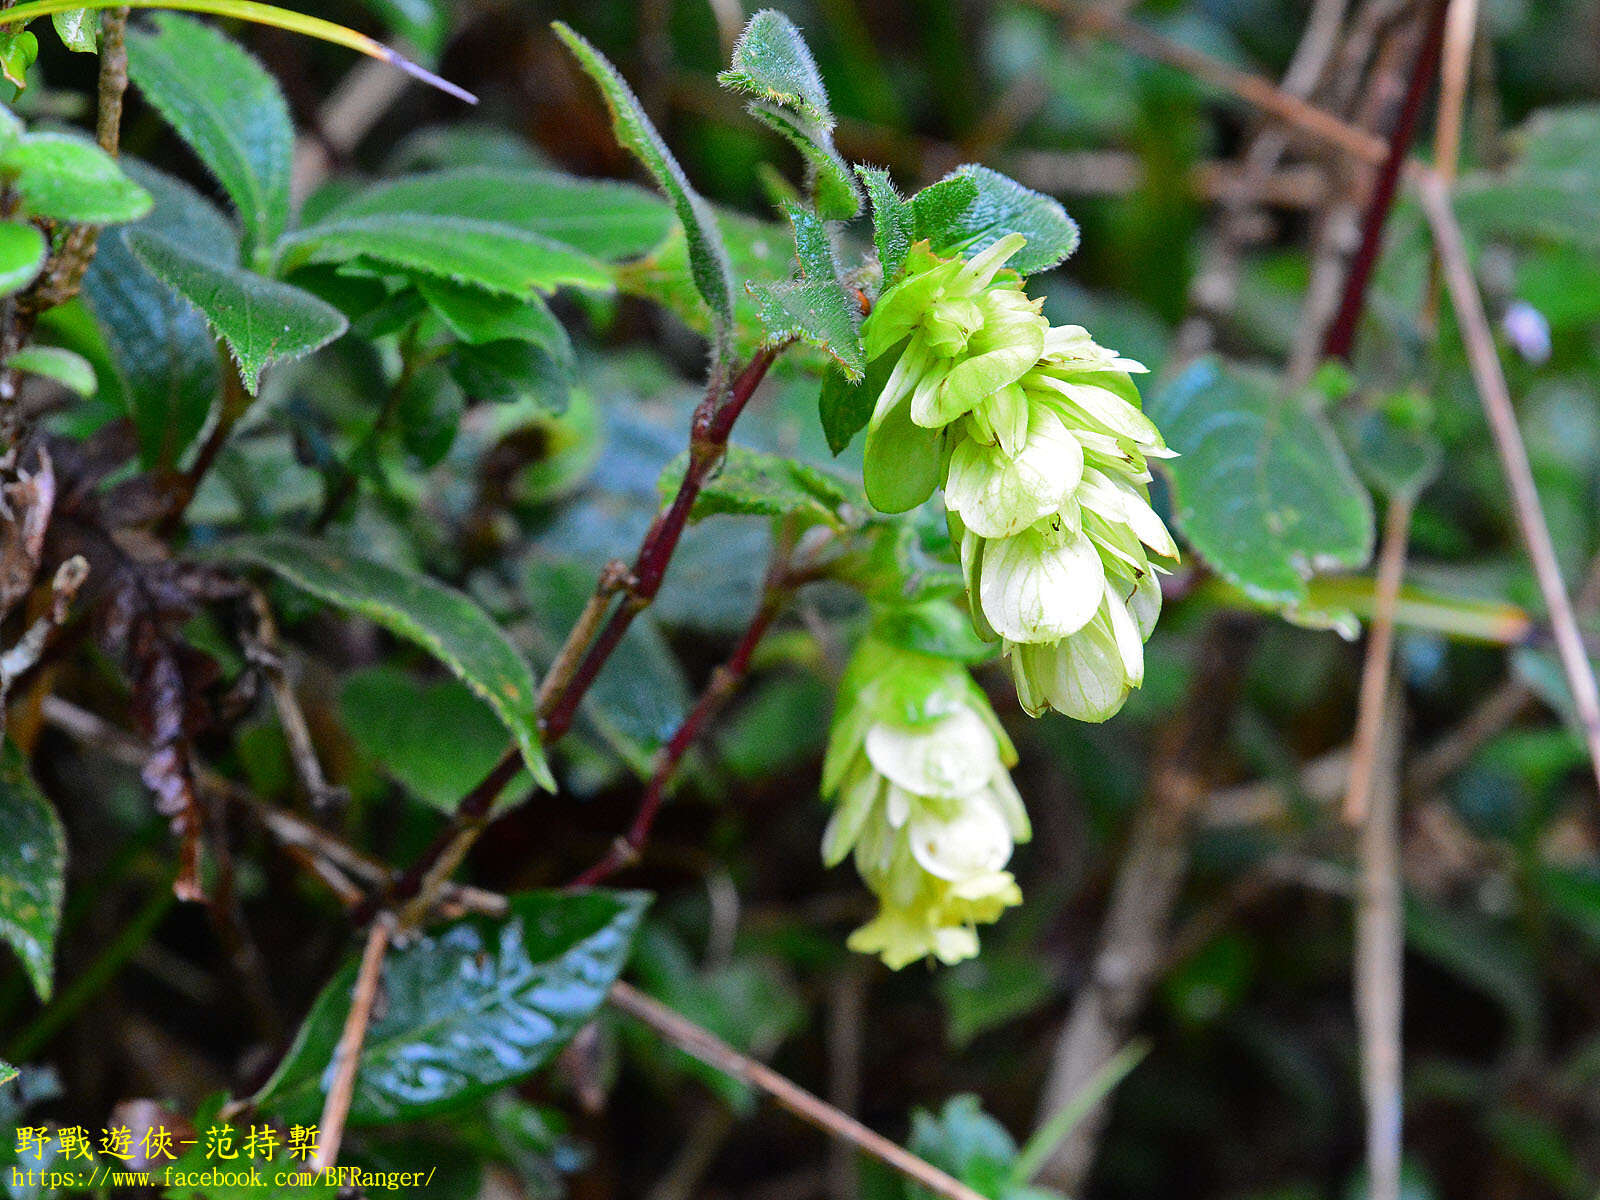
point(998, 494)
point(975, 842)
point(953, 756)
point(1035, 590)
point(1125, 632)
point(1085, 676)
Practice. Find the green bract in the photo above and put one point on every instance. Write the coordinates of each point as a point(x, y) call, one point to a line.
point(917, 772)
point(1037, 437)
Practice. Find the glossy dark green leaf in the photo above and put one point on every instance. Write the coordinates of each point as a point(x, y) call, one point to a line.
point(893, 221)
point(233, 1179)
point(67, 178)
point(225, 105)
point(440, 619)
point(22, 251)
point(1262, 489)
point(465, 249)
point(602, 218)
point(263, 321)
point(999, 206)
point(755, 483)
point(708, 257)
point(33, 863)
point(467, 1009)
point(161, 345)
point(816, 308)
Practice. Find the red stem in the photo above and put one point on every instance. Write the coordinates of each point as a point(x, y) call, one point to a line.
point(1342, 333)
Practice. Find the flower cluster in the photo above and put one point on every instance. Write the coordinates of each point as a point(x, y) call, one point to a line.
point(1036, 435)
point(917, 771)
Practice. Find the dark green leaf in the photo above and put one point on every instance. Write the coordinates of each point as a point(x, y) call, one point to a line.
point(601, 218)
point(1394, 459)
point(396, 720)
point(1551, 190)
point(508, 372)
point(893, 221)
point(239, 1179)
point(468, 1009)
point(1262, 488)
point(162, 346)
point(817, 308)
point(263, 321)
point(68, 179)
point(439, 619)
point(999, 206)
point(477, 316)
point(486, 254)
point(33, 863)
point(22, 251)
point(78, 29)
point(7, 1072)
point(224, 105)
point(69, 369)
point(708, 257)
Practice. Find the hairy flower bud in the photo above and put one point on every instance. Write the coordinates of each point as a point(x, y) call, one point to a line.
point(917, 771)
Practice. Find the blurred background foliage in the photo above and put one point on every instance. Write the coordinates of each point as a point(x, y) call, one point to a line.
point(1250, 1087)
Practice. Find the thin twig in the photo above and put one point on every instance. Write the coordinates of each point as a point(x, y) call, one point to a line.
point(1375, 666)
point(347, 1054)
point(1379, 966)
point(262, 648)
point(724, 681)
point(1496, 398)
point(21, 657)
point(714, 1052)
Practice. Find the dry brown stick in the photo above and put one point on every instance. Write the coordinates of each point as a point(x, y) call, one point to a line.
point(714, 1052)
point(347, 1054)
point(1502, 418)
point(1460, 28)
point(1379, 947)
point(1375, 666)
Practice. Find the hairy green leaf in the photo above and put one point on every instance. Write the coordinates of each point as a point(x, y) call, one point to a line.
point(817, 307)
point(22, 252)
point(439, 619)
point(67, 178)
point(68, 368)
point(468, 1009)
point(162, 347)
point(228, 109)
point(999, 206)
point(604, 219)
point(1262, 487)
point(893, 221)
point(78, 30)
point(263, 321)
point(466, 250)
point(708, 257)
point(844, 406)
point(755, 483)
point(33, 863)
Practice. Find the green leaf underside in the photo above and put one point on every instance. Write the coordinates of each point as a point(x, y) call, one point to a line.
point(466, 250)
point(68, 368)
point(708, 257)
point(263, 321)
point(755, 483)
point(78, 30)
point(33, 862)
point(893, 221)
point(66, 178)
point(998, 205)
point(601, 218)
point(21, 255)
point(476, 317)
point(816, 308)
point(1262, 488)
point(163, 349)
point(225, 105)
point(440, 619)
point(469, 1008)
point(1551, 190)
point(846, 407)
